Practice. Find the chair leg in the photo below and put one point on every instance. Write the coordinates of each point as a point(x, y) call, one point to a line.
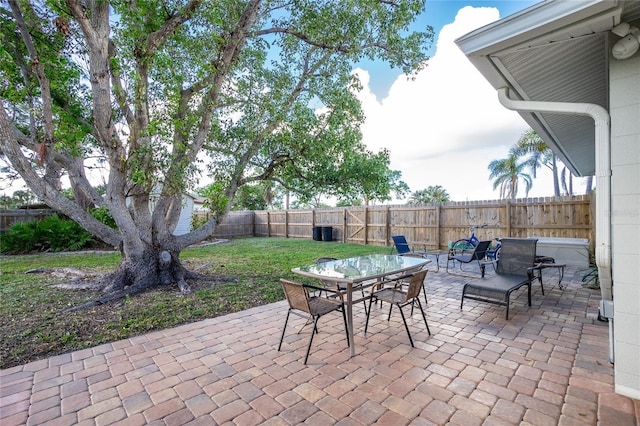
point(424, 317)
point(283, 329)
point(390, 307)
point(366, 324)
point(364, 302)
point(424, 290)
point(313, 332)
point(462, 298)
point(346, 329)
point(406, 326)
point(426, 302)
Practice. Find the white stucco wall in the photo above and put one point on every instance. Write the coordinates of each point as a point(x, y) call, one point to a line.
point(625, 219)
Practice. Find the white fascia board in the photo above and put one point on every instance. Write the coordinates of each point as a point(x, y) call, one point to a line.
point(531, 23)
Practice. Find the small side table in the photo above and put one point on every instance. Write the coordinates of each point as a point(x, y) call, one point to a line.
point(425, 253)
point(436, 253)
point(544, 264)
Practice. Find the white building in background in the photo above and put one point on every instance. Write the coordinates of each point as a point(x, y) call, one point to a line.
point(184, 222)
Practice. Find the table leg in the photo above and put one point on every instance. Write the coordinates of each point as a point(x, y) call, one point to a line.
point(352, 343)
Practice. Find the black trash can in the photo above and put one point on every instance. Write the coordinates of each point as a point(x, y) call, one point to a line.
point(317, 233)
point(327, 233)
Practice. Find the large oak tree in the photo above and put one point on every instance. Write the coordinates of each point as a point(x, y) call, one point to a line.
point(164, 92)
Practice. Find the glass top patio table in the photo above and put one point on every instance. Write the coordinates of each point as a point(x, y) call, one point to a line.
point(354, 270)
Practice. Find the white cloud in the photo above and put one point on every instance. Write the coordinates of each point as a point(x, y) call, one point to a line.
point(444, 127)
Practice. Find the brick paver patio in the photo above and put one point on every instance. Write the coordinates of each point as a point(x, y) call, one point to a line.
point(546, 365)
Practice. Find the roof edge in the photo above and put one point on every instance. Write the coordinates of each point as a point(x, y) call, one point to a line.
point(536, 20)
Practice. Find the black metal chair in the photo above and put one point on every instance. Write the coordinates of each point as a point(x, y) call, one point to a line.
point(477, 254)
point(400, 297)
point(514, 269)
point(301, 303)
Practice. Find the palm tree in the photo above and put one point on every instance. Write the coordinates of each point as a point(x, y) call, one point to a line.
point(507, 173)
point(432, 194)
point(536, 153)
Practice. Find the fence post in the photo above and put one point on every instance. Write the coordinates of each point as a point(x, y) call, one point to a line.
point(366, 225)
point(268, 225)
point(507, 208)
point(344, 225)
point(286, 223)
point(438, 236)
point(387, 237)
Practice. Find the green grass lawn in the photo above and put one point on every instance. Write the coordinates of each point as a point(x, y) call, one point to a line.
point(35, 324)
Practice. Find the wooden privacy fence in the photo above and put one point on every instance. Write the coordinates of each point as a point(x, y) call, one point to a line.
point(430, 225)
point(9, 217)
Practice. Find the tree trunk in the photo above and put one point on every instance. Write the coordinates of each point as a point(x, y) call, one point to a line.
point(556, 182)
point(589, 185)
point(155, 267)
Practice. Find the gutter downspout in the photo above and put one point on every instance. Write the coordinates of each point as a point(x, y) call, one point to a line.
point(603, 173)
point(603, 188)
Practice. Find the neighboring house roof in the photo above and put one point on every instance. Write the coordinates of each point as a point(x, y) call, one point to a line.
point(555, 51)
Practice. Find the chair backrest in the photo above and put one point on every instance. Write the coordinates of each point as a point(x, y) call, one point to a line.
point(297, 295)
point(401, 244)
point(415, 284)
point(517, 255)
point(480, 251)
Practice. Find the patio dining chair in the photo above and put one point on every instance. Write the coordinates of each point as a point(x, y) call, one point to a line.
point(400, 297)
point(301, 303)
point(336, 287)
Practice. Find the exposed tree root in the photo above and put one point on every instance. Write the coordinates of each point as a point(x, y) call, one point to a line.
point(161, 270)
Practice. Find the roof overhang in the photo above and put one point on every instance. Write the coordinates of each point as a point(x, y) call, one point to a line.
point(554, 51)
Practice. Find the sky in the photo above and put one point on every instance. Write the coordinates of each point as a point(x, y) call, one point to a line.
point(447, 125)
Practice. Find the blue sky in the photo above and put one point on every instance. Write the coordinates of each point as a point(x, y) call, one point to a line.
point(437, 14)
point(446, 126)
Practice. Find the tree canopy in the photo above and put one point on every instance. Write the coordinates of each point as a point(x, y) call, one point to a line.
point(431, 194)
point(507, 174)
point(530, 153)
point(162, 93)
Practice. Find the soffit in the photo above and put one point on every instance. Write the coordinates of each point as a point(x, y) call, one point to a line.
point(558, 51)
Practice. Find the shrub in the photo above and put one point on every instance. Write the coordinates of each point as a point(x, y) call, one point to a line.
point(197, 221)
point(103, 215)
point(49, 234)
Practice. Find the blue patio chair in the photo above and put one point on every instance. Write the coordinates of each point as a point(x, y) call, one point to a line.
point(403, 248)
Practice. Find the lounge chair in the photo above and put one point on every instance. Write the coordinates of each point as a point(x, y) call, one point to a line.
point(403, 248)
point(477, 254)
point(514, 269)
